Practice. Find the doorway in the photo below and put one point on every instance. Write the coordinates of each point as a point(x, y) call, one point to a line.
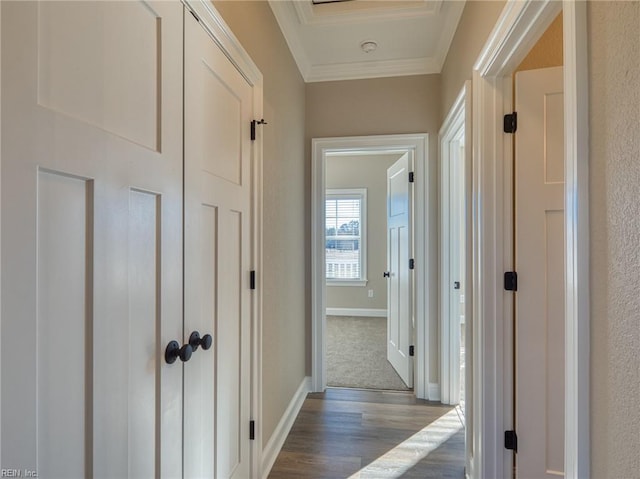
point(415, 146)
point(516, 31)
point(357, 314)
point(455, 252)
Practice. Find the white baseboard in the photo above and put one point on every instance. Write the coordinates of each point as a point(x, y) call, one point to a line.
point(376, 313)
point(434, 392)
point(276, 441)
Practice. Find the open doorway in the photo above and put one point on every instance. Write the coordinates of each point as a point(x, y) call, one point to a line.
point(358, 271)
point(454, 252)
point(420, 325)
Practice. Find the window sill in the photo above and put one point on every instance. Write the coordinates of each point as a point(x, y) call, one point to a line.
point(354, 282)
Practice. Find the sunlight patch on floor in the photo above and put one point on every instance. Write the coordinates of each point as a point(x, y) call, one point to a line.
point(407, 454)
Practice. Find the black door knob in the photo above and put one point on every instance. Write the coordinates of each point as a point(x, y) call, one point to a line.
point(385, 274)
point(196, 341)
point(174, 351)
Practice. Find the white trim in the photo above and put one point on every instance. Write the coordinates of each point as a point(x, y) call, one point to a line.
point(221, 34)
point(0, 231)
point(287, 19)
point(372, 69)
point(351, 14)
point(434, 392)
point(577, 356)
point(360, 283)
point(516, 31)
point(448, 33)
point(292, 15)
point(452, 128)
point(276, 441)
point(425, 264)
point(359, 312)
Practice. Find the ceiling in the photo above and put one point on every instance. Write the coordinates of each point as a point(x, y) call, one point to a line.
point(325, 38)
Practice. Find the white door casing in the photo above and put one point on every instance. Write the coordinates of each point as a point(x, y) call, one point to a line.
point(92, 220)
point(515, 32)
point(539, 239)
point(399, 281)
point(425, 255)
point(455, 252)
point(219, 108)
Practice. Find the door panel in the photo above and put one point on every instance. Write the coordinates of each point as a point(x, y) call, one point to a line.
point(91, 237)
point(540, 266)
point(63, 318)
point(399, 321)
point(144, 320)
point(218, 111)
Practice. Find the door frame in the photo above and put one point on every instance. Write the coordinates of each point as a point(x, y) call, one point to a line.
point(456, 123)
point(516, 31)
point(424, 279)
point(221, 34)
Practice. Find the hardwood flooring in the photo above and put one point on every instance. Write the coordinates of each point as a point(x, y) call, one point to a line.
point(345, 433)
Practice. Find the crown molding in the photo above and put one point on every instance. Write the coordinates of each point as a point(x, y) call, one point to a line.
point(448, 32)
point(291, 16)
point(287, 20)
point(345, 13)
point(378, 69)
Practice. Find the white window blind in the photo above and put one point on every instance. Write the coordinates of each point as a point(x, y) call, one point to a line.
point(345, 235)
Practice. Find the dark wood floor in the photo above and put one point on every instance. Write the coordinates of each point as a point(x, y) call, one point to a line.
point(372, 434)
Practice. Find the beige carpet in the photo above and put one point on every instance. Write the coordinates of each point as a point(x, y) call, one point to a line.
point(357, 354)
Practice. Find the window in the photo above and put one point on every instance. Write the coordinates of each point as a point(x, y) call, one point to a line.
point(345, 245)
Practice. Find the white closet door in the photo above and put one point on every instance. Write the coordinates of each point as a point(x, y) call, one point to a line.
point(91, 238)
point(540, 364)
point(218, 112)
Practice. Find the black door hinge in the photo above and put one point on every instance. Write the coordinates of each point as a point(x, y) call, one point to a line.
point(511, 441)
point(411, 177)
point(511, 281)
point(412, 264)
point(252, 430)
point(253, 127)
point(511, 123)
point(195, 16)
point(252, 280)
point(412, 351)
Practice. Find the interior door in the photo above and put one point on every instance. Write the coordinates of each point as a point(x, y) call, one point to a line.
point(91, 238)
point(400, 317)
point(218, 114)
point(540, 265)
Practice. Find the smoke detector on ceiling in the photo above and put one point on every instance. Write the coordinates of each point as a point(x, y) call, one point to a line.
point(368, 46)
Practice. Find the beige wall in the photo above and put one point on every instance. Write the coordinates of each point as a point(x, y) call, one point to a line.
point(368, 172)
point(614, 103)
point(285, 274)
point(381, 106)
point(477, 21)
point(547, 52)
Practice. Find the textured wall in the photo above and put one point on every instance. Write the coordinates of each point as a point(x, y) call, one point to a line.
point(368, 172)
point(285, 276)
point(476, 23)
point(382, 106)
point(614, 102)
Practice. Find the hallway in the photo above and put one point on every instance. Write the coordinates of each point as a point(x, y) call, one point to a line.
point(350, 433)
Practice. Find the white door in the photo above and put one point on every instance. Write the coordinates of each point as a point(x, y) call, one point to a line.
point(400, 312)
point(540, 265)
point(91, 238)
point(218, 111)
